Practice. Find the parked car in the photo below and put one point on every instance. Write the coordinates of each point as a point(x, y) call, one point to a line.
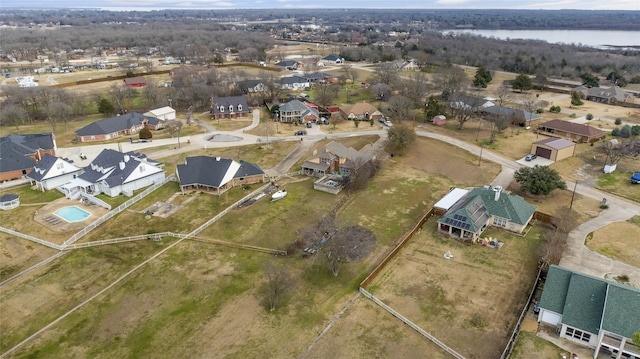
point(388, 123)
point(309, 124)
point(382, 119)
point(300, 133)
point(530, 157)
point(635, 178)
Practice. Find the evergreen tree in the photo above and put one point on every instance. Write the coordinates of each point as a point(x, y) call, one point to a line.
point(539, 179)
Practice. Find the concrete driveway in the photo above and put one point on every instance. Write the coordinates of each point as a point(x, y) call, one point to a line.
point(536, 161)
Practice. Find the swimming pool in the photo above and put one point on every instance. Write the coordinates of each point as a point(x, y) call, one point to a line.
point(72, 214)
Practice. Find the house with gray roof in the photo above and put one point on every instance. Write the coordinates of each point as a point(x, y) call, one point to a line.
point(513, 115)
point(594, 312)
point(252, 86)
point(288, 64)
point(217, 175)
point(19, 153)
point(229, 107)
point(336, 159)
point(331, 59)
point(296, 111)
point(482, 207)
point(294, 83)
point(114, 173)
point(52, 172)
point(110, 128)
point(613, 95)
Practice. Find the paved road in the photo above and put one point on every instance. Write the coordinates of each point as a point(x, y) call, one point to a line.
point(577, 257)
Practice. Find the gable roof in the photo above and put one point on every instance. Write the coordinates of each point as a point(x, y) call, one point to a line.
point(590, 304)
point(116, 168)
point(295, 79)
point(214, 171)
point(287, 63)
point(15, 149)
point(235, 101)
point(160, 112)
point(555, 143)
point(138, 80)
point(603, 92)
point(572, 127)
point(47, 168)
point(113, 124)
point(296, 106)
point(332, 57)
point(510, 112)
point(361, 108)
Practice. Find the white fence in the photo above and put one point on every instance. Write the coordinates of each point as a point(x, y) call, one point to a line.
point(31, 238)
point(117, 210)
point(411, 324)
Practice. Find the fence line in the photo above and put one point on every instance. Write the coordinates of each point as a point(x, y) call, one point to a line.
point(516, 330)
point(411, 324)
point(120, 240)
point(395, 250)
point(117, 210)
point(277, 252)
point(31, 238)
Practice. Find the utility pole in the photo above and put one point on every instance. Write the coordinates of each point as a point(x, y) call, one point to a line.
point(480, 158)
point(573, 195)
point(266, 130)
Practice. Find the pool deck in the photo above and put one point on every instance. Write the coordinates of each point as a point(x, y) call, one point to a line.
point(43, 216)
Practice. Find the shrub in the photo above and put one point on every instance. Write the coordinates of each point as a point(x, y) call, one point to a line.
point(145, 134)
point(615, 132)
point(618, 121)
point(573, 115)
point(589, 117)
point(540, 110)
point(555, 109)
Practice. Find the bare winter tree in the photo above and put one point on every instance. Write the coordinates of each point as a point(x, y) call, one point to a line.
point(121, 96)
point(174, 127)
point(529, 103)
point(348, 245)
point(326, 94)
point(364, 170)
point(399, 108)
point(415, 89)
point(385, 75)
point(381, 90)
point(452, 80)
point(277, 285)
point(463, 106)
point(153, 93)
point(12, 115)
point(350, 73)
point(614, 150)
point(60, 111)
point(556, 242)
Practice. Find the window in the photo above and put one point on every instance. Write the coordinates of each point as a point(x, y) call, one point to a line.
point(239, 108)
point(577, 334)
point(501, 222)
point(230, 108)
point(221, 109)
point(59, 165)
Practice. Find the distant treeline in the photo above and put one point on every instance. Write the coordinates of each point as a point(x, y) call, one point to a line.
point(401, 19)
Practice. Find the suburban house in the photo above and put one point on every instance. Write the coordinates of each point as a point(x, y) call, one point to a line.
point(362, 111)
point(318, 77)
point(135, 82)
point(469, 216)
point(515, 116)
point(217, 175)
point(288, 64)
point(405, 65)
point(613, 95)
point(229, 107)
point(110, 128)
point(296, 111)
point(553, 148)
point(335, 159)
point(19, 153)
point(294, 83)
point(52, 172)
point(250, 86)
point(114, 173)
point(331, 59)
point(572, 131)
point(462, 101)
point(163, 113)
point(594, 312)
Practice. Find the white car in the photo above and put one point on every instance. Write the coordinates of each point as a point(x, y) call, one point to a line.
point(388, 123)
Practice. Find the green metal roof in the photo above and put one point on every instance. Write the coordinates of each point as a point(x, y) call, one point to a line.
point(622, 310)
point(554, 293)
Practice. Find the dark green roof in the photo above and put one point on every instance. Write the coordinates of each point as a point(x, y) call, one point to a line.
point(622, 310)
point(589, 303)
point(585, 303)
point(555, 289)
point(473, 210)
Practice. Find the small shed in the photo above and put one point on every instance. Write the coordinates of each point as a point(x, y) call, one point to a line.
point(553, 148)
point(163, 113)
point(439, 120)
point(9, 201)
point(135, 82)
point(443, 205)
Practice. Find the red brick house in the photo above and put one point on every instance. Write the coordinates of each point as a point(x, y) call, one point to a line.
point(113, 127)
point(229, 107)
point(20, 153)
point(576, 132)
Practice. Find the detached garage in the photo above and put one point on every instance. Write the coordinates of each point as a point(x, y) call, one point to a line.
point(554, 149)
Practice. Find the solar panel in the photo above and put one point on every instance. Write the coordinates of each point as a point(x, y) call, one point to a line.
point(462, 218)
point(455, 216)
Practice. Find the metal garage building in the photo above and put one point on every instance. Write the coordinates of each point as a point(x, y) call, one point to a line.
point(554, 149)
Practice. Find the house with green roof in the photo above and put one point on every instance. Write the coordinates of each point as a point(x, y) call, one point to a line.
point(483, 207)
point(600, 314)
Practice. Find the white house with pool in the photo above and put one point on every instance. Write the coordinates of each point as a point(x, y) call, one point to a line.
point(114, 173)
point(52, 172)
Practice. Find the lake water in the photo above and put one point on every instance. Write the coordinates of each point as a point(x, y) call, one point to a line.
point(591, 38)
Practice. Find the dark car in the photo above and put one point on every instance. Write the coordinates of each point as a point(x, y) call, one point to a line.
point(530, 157)
point(300, 133)
point(309, 124)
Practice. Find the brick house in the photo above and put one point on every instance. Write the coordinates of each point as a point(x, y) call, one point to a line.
point(576, 132)
point(110, 128)
point(20, 153)
point(229, 107)
point(217, 175)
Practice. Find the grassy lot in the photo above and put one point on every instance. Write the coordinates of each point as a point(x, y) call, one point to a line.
point(618, 240)
point(529, 346)
point(198, 298)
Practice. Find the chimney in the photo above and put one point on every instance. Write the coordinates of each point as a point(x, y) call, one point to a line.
point(497, 190)
point(126, 158)
point(218, 159)
point(121, 165)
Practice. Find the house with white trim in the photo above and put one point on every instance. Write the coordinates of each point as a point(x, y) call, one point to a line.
point(217, 175)
point(52, 172)
point(591, 311)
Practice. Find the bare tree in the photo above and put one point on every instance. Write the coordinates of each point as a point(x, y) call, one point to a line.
point(463, 106)
point(347, 245)
point(556, 242)
point(326, 94)
point(452, 80)
point(174, 127)
point(415, 88)
point(402, 137)
point(152, 93)
point(385, 75)
point(277, 285)
point(121, 96)
point(614, 150)
point(399, 108)
point(12, 115)
point(350, 72)
point(59, 111)
point(529, 103)
point(364, 169)
point(381, 90)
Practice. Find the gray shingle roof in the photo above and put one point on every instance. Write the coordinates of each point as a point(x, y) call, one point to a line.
point(236, 102)
point(110, 160)
point(112, 125)
point(45, 164)
point(211, 171)
point(292, 80)
point(15, 148)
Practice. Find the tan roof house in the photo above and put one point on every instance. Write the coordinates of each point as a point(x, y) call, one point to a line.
point(361, 110)
point(613, 95)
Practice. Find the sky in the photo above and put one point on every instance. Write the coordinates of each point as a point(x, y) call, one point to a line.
point(324, 4)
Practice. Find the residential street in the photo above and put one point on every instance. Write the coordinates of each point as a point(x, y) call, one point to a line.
point(577, 256)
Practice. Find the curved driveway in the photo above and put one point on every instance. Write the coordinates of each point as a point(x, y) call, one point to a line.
point(577, 256)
